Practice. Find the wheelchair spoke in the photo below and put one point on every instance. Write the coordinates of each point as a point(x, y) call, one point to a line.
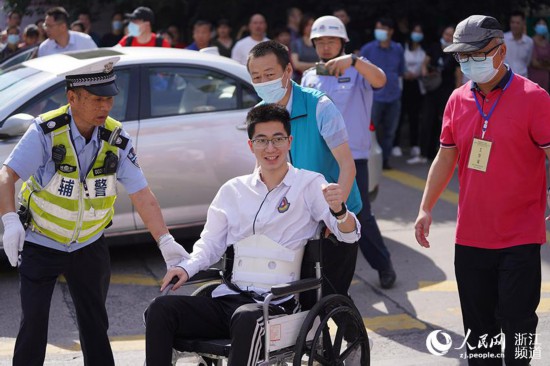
point(319, 358)
point(328, 347)
point(341, 330)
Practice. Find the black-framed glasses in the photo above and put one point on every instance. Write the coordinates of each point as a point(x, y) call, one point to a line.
point(262, 143)
point(478, 56)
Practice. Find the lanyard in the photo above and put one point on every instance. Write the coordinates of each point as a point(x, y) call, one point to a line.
point(488, 115)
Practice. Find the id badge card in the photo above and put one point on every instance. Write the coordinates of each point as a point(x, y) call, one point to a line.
point(479, 155)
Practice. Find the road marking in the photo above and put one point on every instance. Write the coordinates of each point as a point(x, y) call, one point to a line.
point(127, 279)
point(393, 322)
point(418, 183)
point(413, 181)
point(451, 286)
point(118, 344)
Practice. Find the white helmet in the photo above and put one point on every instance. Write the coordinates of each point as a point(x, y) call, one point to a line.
point(328, 26)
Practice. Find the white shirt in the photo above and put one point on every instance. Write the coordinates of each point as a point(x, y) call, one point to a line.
point(77, 41)
point(414, 60)
point(241, 49)
point(289, 214)
point(518, 53)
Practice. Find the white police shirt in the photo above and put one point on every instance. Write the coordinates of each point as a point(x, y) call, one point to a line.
point(32, 156)
point(352, 95)
point(289, 214)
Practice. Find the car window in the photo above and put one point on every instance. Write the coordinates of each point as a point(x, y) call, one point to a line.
point(18, 58)
point(180, 90)
point(56, 97)
point(250, 98)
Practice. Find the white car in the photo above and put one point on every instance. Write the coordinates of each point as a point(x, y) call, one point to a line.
point(185, 111)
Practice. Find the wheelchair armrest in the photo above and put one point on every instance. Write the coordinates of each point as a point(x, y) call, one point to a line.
point(209, 274)
point(294, 287)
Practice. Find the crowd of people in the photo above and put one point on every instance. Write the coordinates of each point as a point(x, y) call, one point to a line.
point(421, 77)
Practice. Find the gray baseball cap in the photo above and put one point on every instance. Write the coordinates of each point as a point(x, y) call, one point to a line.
point(474, 33)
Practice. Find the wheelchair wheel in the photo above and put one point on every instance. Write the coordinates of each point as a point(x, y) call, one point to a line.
point(338, 334)
point(206, 289)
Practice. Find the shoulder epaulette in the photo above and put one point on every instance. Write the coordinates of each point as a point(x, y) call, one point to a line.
point(55, 123)
point(114, 137)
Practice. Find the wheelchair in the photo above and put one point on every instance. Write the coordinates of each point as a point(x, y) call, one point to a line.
point(326, 331)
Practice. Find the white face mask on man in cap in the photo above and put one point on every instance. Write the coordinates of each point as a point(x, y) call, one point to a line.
point(480, 71)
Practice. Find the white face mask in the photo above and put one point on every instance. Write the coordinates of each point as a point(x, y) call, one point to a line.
point(133, 30)
point(271, 91)
point(480, 72)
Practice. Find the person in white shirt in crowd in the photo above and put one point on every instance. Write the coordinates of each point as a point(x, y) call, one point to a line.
point(413, 91)
point(278, 207)
point(60, 38)
point(257, 27)
point(518, 44)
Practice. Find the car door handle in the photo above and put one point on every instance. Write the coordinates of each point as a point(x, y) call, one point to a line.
point(241, 127)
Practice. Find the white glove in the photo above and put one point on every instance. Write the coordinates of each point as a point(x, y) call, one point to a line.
point(172, 252)
point(14, 236)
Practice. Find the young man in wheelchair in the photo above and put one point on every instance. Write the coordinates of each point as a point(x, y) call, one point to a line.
point(268, 216)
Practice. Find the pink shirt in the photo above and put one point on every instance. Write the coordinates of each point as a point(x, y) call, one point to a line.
point(504, 206)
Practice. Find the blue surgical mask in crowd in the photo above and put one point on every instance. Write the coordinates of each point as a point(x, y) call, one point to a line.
point(271, 91)
point(13, 38)
point(444, 43)
point(479, 72)
point(117, 25)
point(381, 35)
point(541, 29)
point(133, 30)
point(417, 37)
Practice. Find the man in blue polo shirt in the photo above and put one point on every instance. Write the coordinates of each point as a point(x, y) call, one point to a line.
point(350, 86)
point(386, 108)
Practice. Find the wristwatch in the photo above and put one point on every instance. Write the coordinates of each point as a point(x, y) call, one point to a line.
point(339, 213)
point(353, 59)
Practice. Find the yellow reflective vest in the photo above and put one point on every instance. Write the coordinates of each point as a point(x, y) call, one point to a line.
point(68, 209)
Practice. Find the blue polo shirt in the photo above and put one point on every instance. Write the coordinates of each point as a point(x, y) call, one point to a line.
point(392, 61)
point(32, 156)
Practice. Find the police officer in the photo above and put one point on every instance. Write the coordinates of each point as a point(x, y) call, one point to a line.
point(349, 81)
point(70, 160)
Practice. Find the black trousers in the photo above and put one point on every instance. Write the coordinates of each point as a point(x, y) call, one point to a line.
point(410, 107)
point(236, 317)
point(499, 290)
point(88, 273)
point(371, 242)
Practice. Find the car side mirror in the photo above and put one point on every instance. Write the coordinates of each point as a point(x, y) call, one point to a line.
point(16, 125)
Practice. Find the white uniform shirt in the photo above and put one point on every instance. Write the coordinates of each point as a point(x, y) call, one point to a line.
point(289, 214)
point(518, 53)
point(77, 41)
point(241, 49)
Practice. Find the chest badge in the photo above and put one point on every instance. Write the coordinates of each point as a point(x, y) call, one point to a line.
point(283, 205)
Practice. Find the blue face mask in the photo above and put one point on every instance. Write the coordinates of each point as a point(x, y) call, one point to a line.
point(271, 91)
point(417, 37)
point(381, 35)
point(117, 25)
point(444, 43)
point(541, 29)
point(133, 30)
point(479, 72)
point(13, 38)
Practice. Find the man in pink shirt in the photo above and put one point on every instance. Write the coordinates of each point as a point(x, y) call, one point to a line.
point(496, 128)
